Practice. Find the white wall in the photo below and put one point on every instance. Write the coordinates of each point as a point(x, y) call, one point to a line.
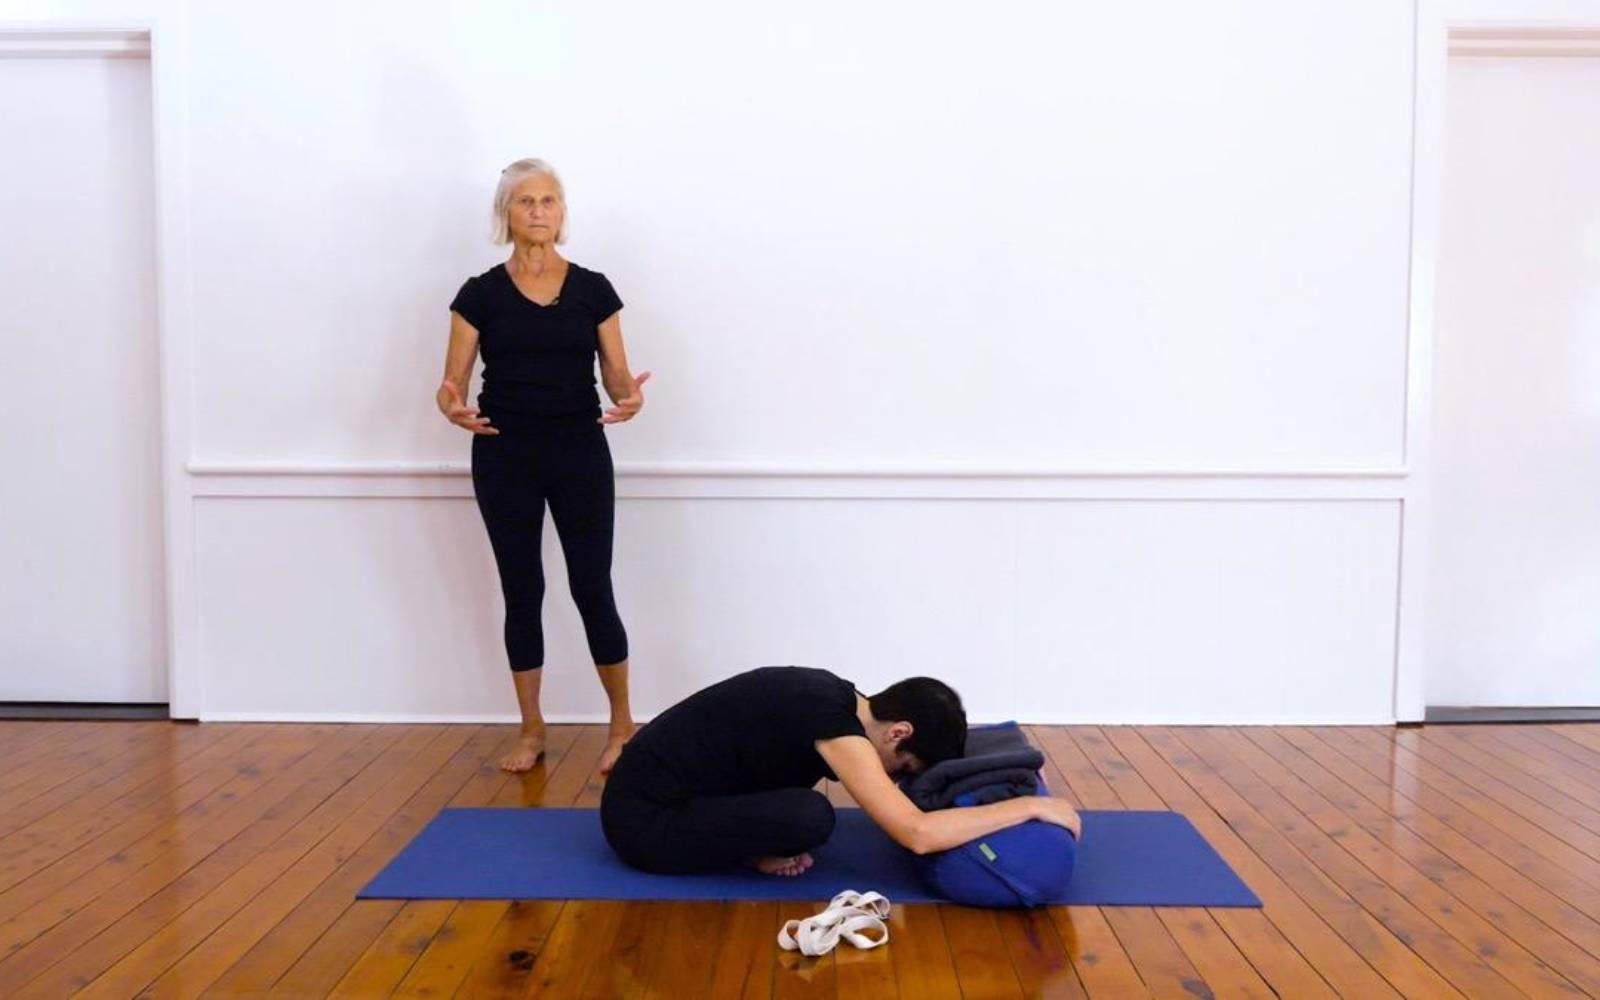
point(1515, 575)
point(1064, 353)
point(1156, 235)
point(1162, 610)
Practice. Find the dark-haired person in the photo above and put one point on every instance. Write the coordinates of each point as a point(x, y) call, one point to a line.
point(725, 777)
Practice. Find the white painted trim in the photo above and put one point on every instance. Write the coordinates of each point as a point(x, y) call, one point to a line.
point(742, 470)
point(168, 79)
point(1427, 121)
point(1515, 41)
point(30, 42)
point(679, 480)
point(599, 718)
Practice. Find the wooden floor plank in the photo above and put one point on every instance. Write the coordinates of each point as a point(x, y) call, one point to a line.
point(744, 964)
point(866, 975)
point(1224, 965)
point(292, 871)
point(1487, 942)
point(314, 944)
point(683, 961)
point(54, 752)
point(579, 942)
point(138, 949)
point(1519, 750)
point(1163, 965)
point(1455, 962)
point(801, 977)
point(1481, 893)
point(140, 759)
point(1507, 865)
point(1501, 804)
point(1339, 965)
point(641, 931)
point(1551, 864)
point(1098, 958)
point(1584, 735)
point(182, 868)
point(1041, 961)
point(443, 966)
point(236, 783)
point(18, 735)
point(23, 880)
point(167, 860)
point(1554, 739)
point(75, 825)
point(68, 754)
point(503, 966)
point(983, 966)
point(1407, 972)
point(1567, 816)
point(923, 965)
point(379, 969)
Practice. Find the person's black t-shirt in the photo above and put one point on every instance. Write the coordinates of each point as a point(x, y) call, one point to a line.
point(752, 732)
point(537, 360)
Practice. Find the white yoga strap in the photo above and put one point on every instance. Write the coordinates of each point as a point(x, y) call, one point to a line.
point(856, 917)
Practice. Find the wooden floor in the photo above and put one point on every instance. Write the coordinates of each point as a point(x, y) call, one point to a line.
point(166, 860)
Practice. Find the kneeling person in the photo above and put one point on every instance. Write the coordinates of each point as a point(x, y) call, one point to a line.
point(724, 778)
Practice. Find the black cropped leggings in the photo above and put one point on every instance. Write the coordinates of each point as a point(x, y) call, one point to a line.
point(565, 462)
point(654, 827)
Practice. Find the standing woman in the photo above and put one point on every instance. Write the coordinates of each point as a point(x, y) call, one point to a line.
point(539, 436)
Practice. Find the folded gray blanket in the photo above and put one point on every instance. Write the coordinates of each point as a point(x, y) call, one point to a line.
point(999, 763)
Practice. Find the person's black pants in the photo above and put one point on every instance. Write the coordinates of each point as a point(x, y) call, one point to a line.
point(565, 462)
point(655, 829)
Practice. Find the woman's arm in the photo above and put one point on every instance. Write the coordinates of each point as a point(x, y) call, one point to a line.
point(451, 397)
point(856, 763)
point(626, 397)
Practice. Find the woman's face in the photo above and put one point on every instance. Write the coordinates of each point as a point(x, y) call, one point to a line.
point(535, 211)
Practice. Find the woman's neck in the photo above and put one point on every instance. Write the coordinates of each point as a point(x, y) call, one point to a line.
point(534, 259)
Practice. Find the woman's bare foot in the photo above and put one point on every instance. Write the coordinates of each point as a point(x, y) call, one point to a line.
point(796, 865)
point(525, 755)
point(619, 736)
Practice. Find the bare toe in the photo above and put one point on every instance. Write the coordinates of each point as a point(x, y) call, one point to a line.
point(524, 757)
point(615, 741)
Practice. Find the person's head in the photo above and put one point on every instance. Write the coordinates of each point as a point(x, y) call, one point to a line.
point(530, 205)
point(918, 722)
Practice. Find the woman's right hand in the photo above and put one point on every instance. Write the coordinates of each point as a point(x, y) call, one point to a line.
point(458, 412)
point(1057, 811)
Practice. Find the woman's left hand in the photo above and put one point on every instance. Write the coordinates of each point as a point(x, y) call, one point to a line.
point(628, 406)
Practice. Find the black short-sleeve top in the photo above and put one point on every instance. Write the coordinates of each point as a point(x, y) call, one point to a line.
point(538, 360)
point(756, 731)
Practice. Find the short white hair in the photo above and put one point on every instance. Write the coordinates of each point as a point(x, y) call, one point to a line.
point(510, 177)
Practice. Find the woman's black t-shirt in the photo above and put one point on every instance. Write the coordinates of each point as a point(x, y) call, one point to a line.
point(537, 360)
point(753, 732)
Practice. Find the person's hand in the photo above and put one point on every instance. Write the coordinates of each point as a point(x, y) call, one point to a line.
point(1057, 811)
point(628, 406)
point(459, 413)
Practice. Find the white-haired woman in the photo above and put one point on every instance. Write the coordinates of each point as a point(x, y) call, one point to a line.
point(539, 436)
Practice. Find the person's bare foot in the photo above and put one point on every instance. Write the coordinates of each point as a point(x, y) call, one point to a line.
point(525, 755)
point(614, 744)
point(796, 865)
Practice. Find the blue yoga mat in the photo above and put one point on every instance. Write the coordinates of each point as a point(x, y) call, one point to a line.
point(1124, 859)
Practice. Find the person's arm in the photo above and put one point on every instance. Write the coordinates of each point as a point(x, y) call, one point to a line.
point(626, 397)
point(451, 397)
point(856, 763)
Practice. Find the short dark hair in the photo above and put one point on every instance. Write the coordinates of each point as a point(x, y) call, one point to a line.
point(938, 722)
